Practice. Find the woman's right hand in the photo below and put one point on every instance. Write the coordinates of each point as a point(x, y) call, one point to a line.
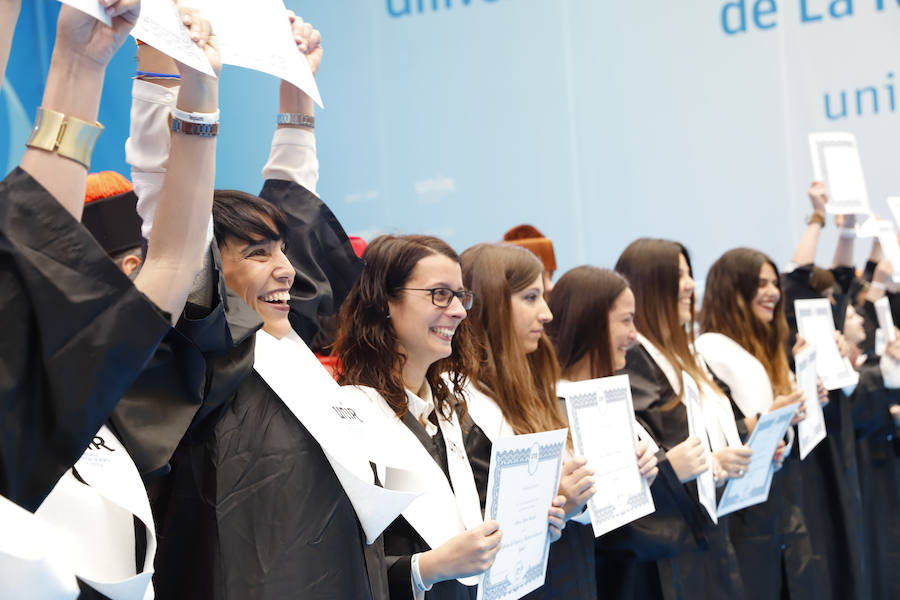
point(788, 399)
point(469, 553)
point(688, 459)
point(576, 484)
point(734, 461)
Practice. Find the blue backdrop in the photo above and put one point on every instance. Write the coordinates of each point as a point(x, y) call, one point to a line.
point(596, 121)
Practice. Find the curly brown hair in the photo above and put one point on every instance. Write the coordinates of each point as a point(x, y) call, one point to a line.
point(367, 345)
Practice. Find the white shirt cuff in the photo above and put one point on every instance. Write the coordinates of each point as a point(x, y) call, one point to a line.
point(418, 586)
point(293, 158)
point(890, 372)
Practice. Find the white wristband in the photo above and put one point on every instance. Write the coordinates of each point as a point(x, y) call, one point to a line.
point(195, 117)
point(416, 576)
point(847, 233)
point(878, 285)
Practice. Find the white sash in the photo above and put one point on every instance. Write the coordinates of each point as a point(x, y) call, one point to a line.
point(440, 512)
point(486, 413)
point(740, 370)
point(83, 530)
point(293, 372)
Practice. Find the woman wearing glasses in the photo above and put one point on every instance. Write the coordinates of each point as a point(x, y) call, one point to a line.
point(400, 328)
point(512, 390)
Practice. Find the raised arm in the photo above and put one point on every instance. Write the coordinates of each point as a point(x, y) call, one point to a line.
point(84, 46)
point(805, 252)
point(178, 241)
point(843, 251)
point(293, 153)
point(9, 14)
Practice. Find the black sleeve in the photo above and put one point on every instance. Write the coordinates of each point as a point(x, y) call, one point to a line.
point(76, 333)
point(325, 265)
point(478, 449)
point(400, 577)
point(653, 395)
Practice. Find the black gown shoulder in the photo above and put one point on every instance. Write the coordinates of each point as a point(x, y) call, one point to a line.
point(76, 333)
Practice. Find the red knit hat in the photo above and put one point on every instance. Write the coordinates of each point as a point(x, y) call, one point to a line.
point(529, 237)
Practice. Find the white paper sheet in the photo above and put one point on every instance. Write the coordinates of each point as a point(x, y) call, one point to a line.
point(522, 481)
point(706, 484)
point(836, 162)
point(257, 35)
point(894, 204)
point(753, 487)
point(90, 7)
point(160, 26)
point(295, 374)
point(885, 319)
point(810, 430)
point(887, 237)
point(601, 418)
point(815, 324)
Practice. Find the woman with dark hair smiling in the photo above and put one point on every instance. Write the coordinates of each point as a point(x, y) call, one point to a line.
point(659, 272)
point(512, 390)
point(744, 343)
point(402, 327)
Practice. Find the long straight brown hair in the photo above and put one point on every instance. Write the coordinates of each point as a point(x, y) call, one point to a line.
point(367, 345)
point(651, 267)
point(580, 303)
point(523, 385)
point(731, 286)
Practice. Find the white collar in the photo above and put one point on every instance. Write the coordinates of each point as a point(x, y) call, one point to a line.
point(421, 408)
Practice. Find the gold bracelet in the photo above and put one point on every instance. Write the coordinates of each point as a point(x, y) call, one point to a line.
point(816, 218)
point(69, 137)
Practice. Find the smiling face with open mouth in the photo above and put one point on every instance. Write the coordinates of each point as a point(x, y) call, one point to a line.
point(425, 331)
point(261, 274)
point(767, 294)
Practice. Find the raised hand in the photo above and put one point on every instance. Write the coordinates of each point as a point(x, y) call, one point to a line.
point(687, 459)
point(201, 32)
point(80, 35)
point(469, 553)
point(309, 41)
point(818, 196)
point(576, 485)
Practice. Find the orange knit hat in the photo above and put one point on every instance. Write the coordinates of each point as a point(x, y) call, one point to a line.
point(110, 212)
point(529, 237)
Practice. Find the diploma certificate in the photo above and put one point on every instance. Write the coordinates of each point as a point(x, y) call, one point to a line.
point(810, 430)
point(522, 482)
point(601, 418)
point(885, 319)
point(753, 487)
point(836, 162)
point(816, 325)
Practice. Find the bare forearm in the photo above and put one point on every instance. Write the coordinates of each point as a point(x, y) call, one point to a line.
point(805, 253)
point(9, 14)
point(178, 239)
point(292, 100)
point(843, 252)
point(73, 88)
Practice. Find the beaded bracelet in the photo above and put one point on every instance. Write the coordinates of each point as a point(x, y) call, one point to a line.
point(147, 75)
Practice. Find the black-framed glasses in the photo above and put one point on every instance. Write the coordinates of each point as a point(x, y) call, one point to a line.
point(442, 297)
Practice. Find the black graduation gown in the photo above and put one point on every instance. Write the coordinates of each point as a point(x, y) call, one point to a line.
point(252, 508)
point(401, 540)
point(570, 564)
point(76, 333)
point(879, 479)
point(831, 500)
point(706, 565)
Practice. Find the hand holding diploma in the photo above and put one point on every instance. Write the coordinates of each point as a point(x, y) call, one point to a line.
point(734, 462)
point(556, 518)
point(576, 485)
point(688, 459)
point(469, 553)
point(647, 462)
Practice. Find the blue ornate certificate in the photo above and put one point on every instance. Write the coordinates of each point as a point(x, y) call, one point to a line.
point(523, 479)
